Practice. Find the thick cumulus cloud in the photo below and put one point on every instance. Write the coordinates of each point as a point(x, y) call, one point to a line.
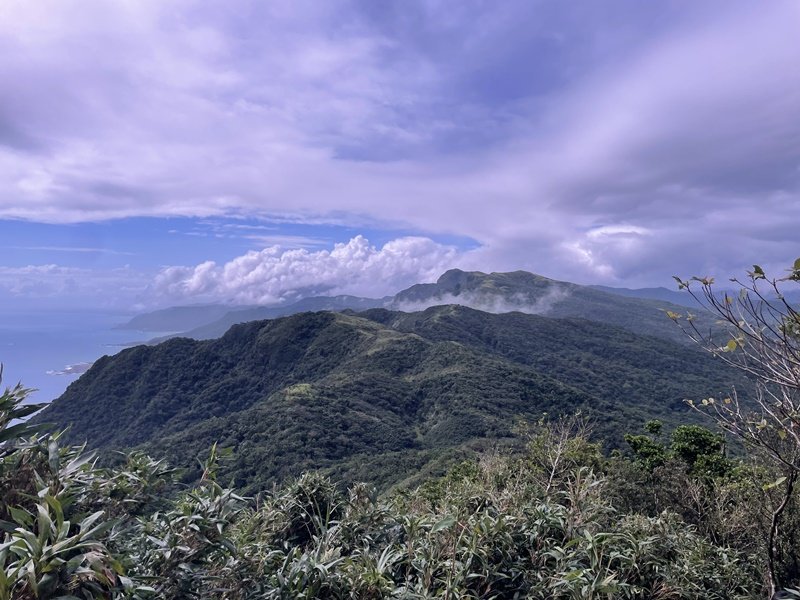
point(274, 275)
point(620, 143)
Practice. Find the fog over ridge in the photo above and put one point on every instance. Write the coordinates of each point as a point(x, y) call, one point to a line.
point(491, 302)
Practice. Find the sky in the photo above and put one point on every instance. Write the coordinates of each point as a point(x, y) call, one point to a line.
point(166, 152)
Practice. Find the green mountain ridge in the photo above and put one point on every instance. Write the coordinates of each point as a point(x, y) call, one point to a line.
point(517, 291)
point(661, 294)
point(380, 395)
point(210, 329)
point(526, 292)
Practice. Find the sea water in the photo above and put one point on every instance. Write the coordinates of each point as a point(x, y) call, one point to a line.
point(48, 350)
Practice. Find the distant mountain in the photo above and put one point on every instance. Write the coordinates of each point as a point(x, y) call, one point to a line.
point(377, 396)
point(534, 294)
point(218, 327)
point(657, 293)
point(684, 298)
point(177, 318)
point(491, 292)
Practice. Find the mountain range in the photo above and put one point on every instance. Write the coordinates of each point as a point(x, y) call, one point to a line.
point(219, 325)
point(388, 396)
point(493, 292)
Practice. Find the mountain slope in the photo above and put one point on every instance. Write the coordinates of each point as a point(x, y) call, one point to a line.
point(217, 328)
point(660, 294)
point(176, 318)
point(526, 292)
point(602, 360)
point(491, 292)
point(377, 396)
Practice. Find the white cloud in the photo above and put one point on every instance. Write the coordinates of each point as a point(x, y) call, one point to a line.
point(494, 303)
point(274, 274)
point(305, 109)
point(620, 231)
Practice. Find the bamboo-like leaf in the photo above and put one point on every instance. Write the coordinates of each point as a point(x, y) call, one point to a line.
point(21, 516)
point(53, 455)
point(445, 523)
point(44, 523)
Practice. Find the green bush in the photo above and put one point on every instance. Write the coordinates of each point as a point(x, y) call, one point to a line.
point(544, 524)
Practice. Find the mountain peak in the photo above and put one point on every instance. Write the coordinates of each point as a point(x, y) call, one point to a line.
point(457, 278)
point(476, 287)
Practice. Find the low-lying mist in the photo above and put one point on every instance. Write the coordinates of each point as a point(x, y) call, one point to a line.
point(492, 302)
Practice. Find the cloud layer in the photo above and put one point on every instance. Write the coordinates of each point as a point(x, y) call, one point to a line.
point(274, 275)
point(69, 287)
point(492, 302)
point(620, 144)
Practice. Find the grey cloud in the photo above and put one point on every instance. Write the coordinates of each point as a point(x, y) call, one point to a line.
point(525, 126)
point(15, 138)
point(715, 110)
point(112, 189)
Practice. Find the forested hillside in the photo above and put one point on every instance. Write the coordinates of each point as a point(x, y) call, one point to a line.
point(218, 327)
point(556, 511)
point(378, 396)
point(557, 519)
point(531, 293)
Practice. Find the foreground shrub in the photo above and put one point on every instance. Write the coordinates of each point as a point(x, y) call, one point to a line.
point(540, 525)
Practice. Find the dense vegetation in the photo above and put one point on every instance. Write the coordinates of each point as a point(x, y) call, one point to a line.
point(378, 396)
point(560, 520)
point(674, 516)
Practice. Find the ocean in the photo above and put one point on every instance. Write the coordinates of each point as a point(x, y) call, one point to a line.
point(48, 350)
